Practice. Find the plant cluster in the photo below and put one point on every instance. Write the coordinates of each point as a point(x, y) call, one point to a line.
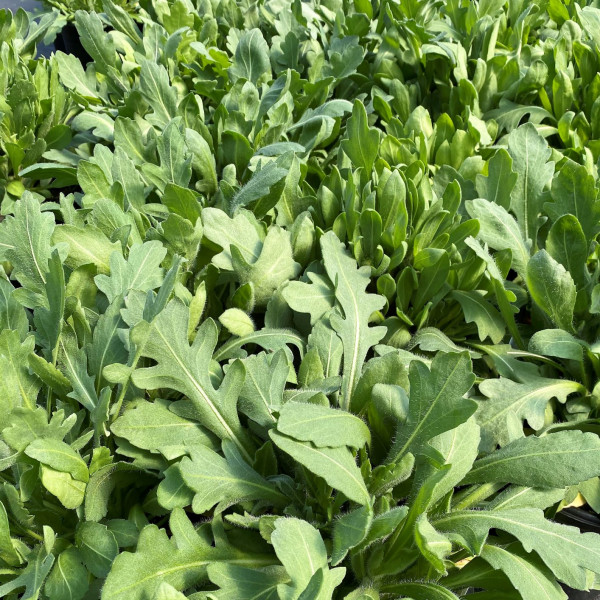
point(300, 300)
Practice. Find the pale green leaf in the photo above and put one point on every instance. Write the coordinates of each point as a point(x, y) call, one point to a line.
point(224, 481)
point(552, 288)
point(186, 369)
point(357, 305)
point(87, 245)
point(336, 465)
point(557, 460)
point(321, 425)
point(436, 402)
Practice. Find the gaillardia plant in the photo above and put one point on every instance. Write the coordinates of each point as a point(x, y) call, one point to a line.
point(300, 300)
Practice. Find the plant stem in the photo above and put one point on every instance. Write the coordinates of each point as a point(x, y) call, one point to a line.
point(477, 494)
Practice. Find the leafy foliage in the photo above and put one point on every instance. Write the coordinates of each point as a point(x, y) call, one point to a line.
point(299, 300)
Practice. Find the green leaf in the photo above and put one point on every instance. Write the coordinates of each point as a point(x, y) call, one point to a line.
point(574, 193)
point(106, 347)
point(98, 547)
point(315, 298)
point(557, 460)
point(500, 180)
point(186, 369)
point(28, 424)
point(174, 157)
point(259, 186)
point(152, 426)
point(345, 55)
point(68, 490)
point(274, 266)
point(93, 181)
point(203, 160)
point(224, 481)
point(58, 456)
point(301, 550)
point(74, 77)
point(86, 246)
point(567, 552)
point(269, 339)
point(530, 577)
point(362, 143)
point(436, 401)
point(262, 392)
point(124, 172)
point(25, 242)
point(335, 465)
point(434, 546)
point(141, 271)
point(225, 232)
point(101, 485)
point(48, 321)
point(7, 551)
point(18, 387)
point(349, 531)
point(500, 231)
point(167, 592)
point(518, 496)
point(329, 347)
point(420, 591)
point(32, 577)
point(589, 18)
point(98, 45)
point(242, 583)
point(251, 60)
point(478, 310)
point(458, 448)
point(509, 403)
point(68, 579)
point(321, 425)
point(530, 154)
point(180, 562)
point(557, 342)
point(357, 305)
point(158, 93)
point(12, 313)
point(566, 243)
point(73, 361)
point(101, 125)
point(552, 288)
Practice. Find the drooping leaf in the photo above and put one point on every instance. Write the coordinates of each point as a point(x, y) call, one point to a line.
point(559, 546)
point(527, 573)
